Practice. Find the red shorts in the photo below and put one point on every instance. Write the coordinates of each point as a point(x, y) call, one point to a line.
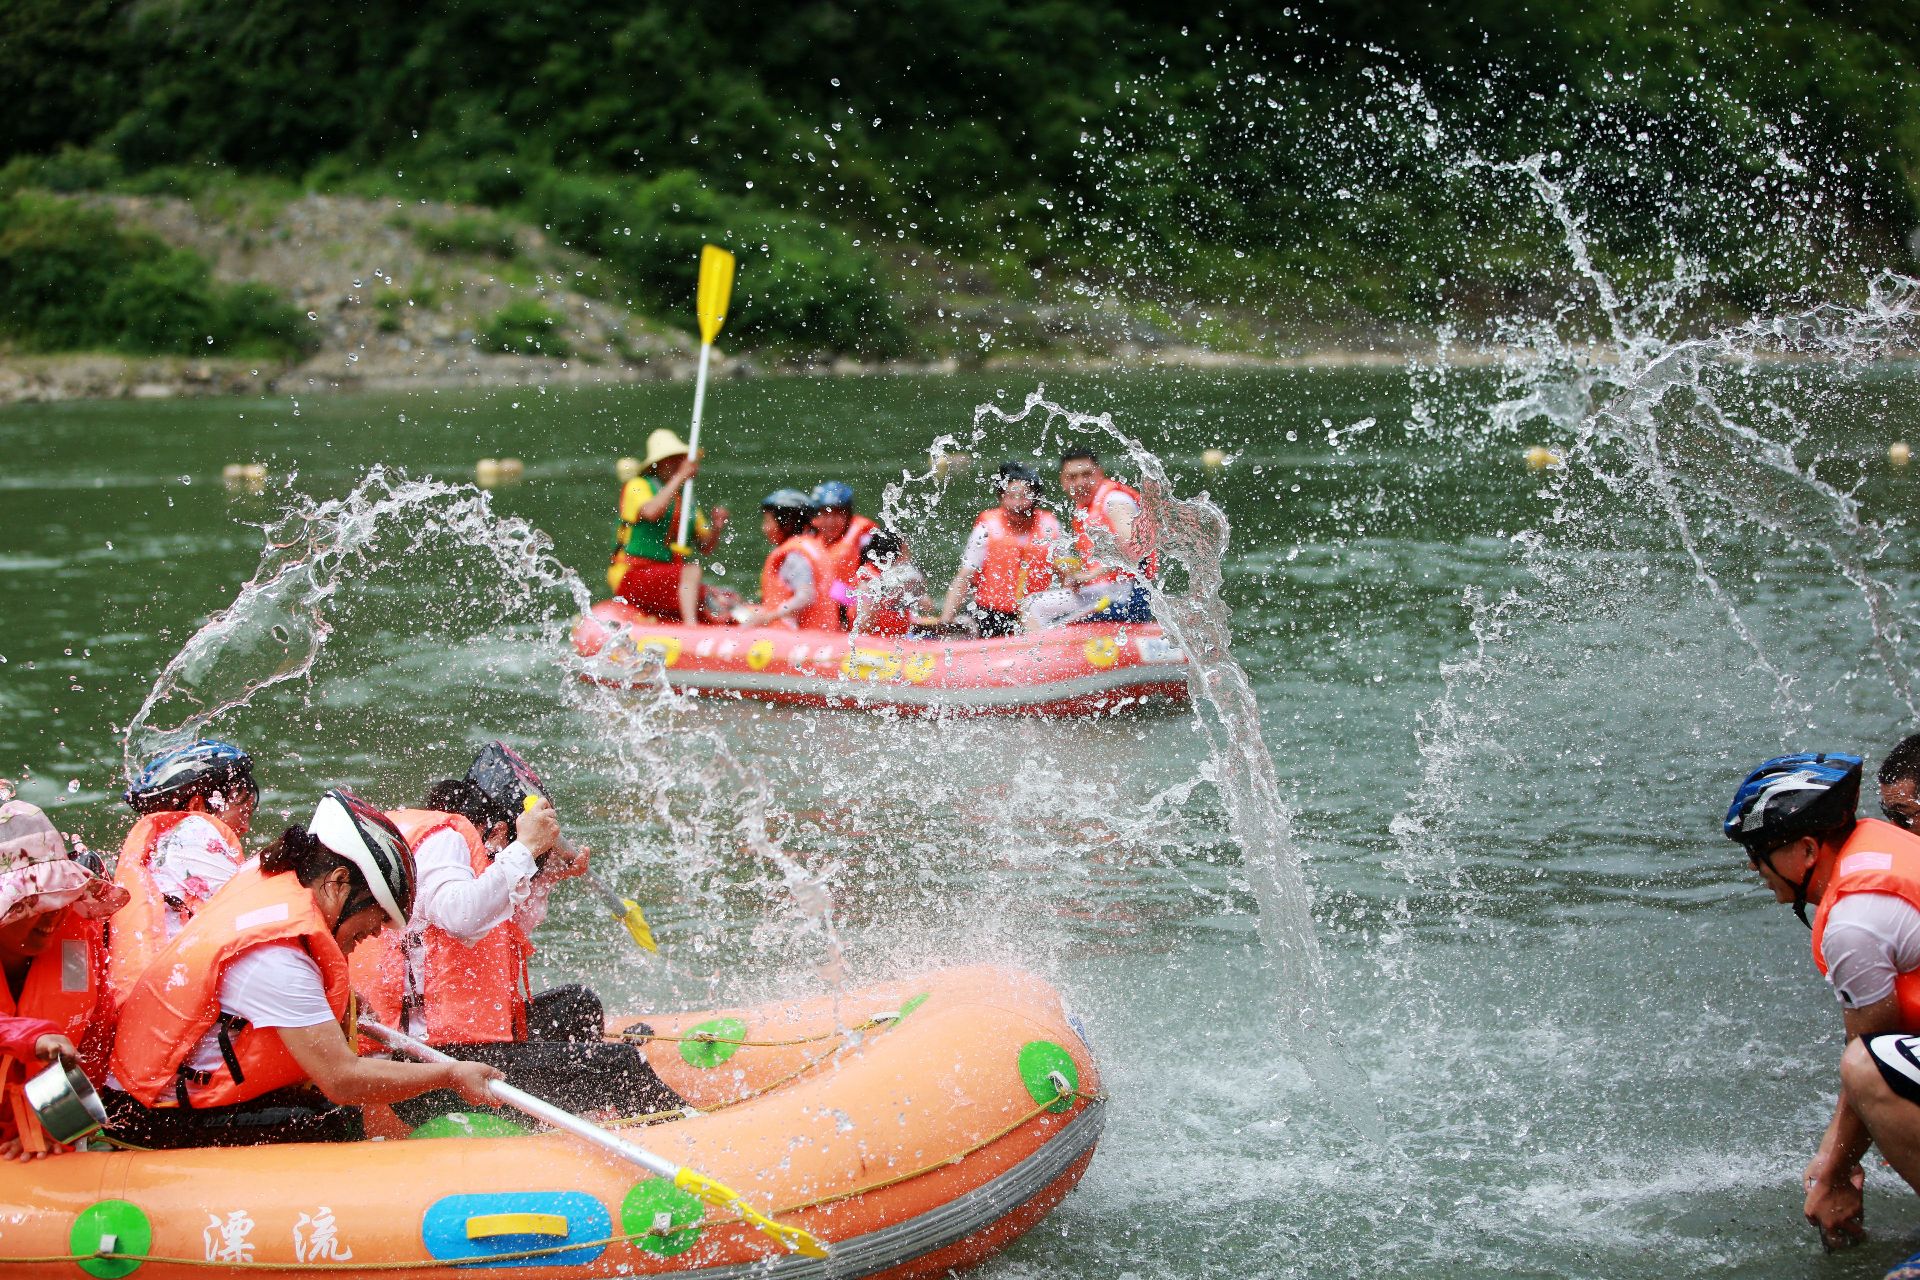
point(652, 587)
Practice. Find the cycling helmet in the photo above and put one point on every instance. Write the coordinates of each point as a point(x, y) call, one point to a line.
point(1793, 796)
point(832, 493)
point(786, 500)
point(506, 780)
point(205, 768)
point(364, 836)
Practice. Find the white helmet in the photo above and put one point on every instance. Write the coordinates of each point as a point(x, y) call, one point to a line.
point(364, 836)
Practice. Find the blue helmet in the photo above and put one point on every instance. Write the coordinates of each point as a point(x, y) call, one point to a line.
point(205, 768)
point(1793, 796)
point(832, 493)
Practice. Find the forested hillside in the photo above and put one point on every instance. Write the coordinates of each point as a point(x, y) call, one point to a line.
point(1231, 155)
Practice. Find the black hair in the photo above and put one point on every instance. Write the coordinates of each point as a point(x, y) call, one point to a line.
point(457, 795)
point(300, 851)
point(793, 521)
point(881, 544)
point(1010, 471)
point(1903, 762)
point(1075, 455)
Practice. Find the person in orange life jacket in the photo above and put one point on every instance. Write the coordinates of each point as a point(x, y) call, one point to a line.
point(890, 592)
point(53, 908)
point(242, 1019)
point(845, 535)
point(1900, 783)
point(460, 971)
point(798, 572)
point(1795, 817)
point(195, 803)
point(1105, 512)
point(646, 571)
point(1008, 556)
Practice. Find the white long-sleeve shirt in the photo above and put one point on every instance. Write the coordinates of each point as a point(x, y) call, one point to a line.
point(447, 894)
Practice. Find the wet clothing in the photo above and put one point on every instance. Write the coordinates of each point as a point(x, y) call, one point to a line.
point(568, 1062)
point(170, 863)
point(63, 993)
point(1878, 859)
point(801, 568)
point(297, 1113)
point(1008, 563)
point(1898, 1057)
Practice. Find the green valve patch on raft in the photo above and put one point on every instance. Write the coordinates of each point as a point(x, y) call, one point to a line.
point(469, 1124)
point(1044, 1067)
point(115, 1226)
point(665, 1219)
point(713, 1042)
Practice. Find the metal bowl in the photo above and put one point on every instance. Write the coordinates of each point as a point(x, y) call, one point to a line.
point(66, 1103)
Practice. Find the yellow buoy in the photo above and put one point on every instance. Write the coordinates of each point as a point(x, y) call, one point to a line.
point(233, 473)
point(486, 472)
point(1539, 457)
point(1214, 459)
point(626, 469)
point(1899, 454)
point(949, 464)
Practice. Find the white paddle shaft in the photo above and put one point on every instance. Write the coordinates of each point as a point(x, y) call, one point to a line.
point(693, 443)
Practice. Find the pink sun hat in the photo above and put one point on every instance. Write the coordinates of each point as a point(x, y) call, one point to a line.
point(36, 875)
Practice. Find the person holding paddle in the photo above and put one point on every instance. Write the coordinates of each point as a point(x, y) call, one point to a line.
point(650, 571)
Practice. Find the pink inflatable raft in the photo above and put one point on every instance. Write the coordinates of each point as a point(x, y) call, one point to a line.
point(1071, 671)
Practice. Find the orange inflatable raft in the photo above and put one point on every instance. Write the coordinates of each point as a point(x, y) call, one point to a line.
point(1090, 669)
point(929, 1124)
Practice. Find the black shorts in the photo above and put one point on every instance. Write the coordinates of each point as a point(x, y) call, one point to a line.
point(1898, 1057)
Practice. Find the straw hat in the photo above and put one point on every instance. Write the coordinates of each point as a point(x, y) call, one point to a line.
point(663, 444)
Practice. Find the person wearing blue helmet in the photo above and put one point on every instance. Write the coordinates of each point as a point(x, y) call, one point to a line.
point(195, 804)
point(1795, 816)
point(846, 535)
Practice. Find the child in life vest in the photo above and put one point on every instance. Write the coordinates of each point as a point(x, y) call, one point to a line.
point(889, 590)
point(52, 953)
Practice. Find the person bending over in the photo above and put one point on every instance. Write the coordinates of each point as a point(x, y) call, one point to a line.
point(195, 803)
point(798, 573)
point(1008, 556)
point(53, 1005)
point(1107, 518)
point(1795, 817)
point(237, 1033)
point(459, 976)
point(648, 571)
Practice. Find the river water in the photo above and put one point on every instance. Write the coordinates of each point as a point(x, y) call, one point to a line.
point(1504, 707)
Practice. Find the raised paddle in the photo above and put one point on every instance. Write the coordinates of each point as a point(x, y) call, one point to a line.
point(715, 1193)
point(710, 300)
point(625, 910)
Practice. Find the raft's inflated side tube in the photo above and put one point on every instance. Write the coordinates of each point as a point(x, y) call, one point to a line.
point(936, 1120)
point(1091, 669)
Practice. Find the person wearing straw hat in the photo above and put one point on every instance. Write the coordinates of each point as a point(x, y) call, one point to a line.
point(53, 910)
point(648, 571)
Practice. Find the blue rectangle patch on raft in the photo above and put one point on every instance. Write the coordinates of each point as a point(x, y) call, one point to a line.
point(443, 1228)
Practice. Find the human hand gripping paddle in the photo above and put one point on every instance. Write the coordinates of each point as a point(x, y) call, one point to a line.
point(710, 300)
point(710, 1190)
point(625, 910)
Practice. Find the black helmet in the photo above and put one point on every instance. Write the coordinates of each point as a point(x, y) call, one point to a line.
point(506, 780)
point(1793, 796)
point(205, 769)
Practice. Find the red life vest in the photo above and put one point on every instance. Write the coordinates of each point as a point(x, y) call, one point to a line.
point(140, 927)
point(177, 1000)
point(1094, 516)
point(882, 617)
point(1016, 564)
point(67, 985)
point(821, 615)
point(470, 992)
point(1877, 858)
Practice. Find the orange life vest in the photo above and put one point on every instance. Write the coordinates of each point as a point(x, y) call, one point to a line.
point(845, 550)
point(883, 617)
point(1016, 564)
point(177, 1000)
point(1877, 858)
point(471, 992)
point(140, 927)
point(66, 985)
point(1094, 516)
point(821, 615)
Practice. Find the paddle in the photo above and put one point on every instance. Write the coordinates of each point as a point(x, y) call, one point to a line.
point(710, 300)
point(713, 1192)
point(625, 910)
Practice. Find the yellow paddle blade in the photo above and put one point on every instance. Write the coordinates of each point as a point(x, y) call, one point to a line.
point(721, 1196)
point(637, 926)
point(716, 289)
